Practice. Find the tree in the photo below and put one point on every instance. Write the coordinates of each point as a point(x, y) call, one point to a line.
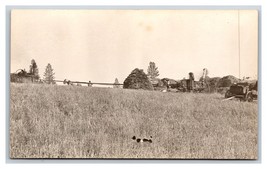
point(116, 82)
point(49, 74)
point(137, 80)
point(152, 71)
point(34, 69)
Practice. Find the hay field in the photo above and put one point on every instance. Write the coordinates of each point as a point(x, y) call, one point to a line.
point(81, 122)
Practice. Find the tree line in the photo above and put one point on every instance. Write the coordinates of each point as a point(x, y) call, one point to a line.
point(48, 76)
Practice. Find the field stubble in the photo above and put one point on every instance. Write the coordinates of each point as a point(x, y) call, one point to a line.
point(48, 121)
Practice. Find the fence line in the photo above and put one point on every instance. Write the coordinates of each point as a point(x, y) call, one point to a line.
point(91, 83)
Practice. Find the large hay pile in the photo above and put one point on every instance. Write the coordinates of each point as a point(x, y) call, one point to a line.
point(217, 84)
point(137, 80)
point(227, 81)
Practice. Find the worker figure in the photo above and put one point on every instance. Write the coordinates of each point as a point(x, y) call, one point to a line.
point(90, 84)
point(68, 82)
point(191, 81)
point(168, 85)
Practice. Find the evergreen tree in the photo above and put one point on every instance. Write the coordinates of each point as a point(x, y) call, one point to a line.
point(116, 82)
point(152, 71)
point(34, 69)
point(49, 74)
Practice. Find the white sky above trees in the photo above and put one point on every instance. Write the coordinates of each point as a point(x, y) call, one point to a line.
point(101, 45)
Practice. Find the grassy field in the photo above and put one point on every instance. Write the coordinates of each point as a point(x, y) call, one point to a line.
point(81, 122)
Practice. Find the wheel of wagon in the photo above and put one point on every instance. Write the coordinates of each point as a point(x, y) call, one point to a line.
point(228, 94)
point(249, 96)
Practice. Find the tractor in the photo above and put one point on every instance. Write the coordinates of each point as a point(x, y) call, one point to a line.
point(243, 91)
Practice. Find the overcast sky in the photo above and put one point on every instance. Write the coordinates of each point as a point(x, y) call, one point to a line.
point(101, 45)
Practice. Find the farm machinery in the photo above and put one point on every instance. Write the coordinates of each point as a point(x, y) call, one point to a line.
point(183, 85)
point(243, 91)
point(190, 85)
point(22, 76)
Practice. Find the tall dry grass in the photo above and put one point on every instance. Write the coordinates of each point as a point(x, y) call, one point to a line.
point(80, 122)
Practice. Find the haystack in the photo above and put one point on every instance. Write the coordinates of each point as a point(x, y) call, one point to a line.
point(137, 80)
point(227, 81)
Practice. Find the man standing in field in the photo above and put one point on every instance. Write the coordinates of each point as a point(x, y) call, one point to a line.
point(89, 84)
point(191, 81)
point(168, 85)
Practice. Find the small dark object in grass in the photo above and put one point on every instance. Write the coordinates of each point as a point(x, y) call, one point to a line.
point(147, 140)
point(138, 140)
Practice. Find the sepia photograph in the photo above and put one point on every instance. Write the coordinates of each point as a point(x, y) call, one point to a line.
point(133, 84)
